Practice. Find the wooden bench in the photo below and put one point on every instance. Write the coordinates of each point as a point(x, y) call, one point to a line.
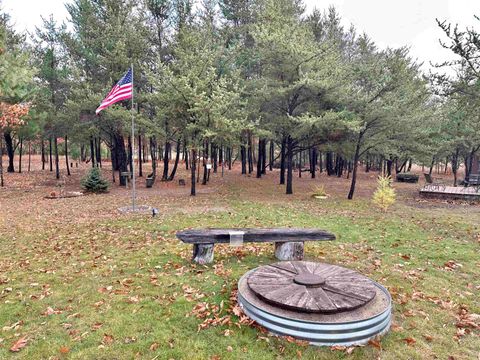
point(473, 180)
point(288, 242)
point(433, 184)
point(127, 176)
point(407, 177)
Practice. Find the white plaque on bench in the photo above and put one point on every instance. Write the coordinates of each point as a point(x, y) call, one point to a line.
point(236, 238)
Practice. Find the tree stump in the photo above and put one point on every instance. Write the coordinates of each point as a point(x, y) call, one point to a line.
point(202, 253)
point(289, 250)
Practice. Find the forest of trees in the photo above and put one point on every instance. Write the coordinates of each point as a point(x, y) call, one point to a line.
point(260, 82)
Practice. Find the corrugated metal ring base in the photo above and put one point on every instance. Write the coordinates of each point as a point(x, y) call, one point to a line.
point(333, 331)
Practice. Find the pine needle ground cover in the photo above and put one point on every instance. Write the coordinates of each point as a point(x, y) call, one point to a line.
point(78, 280)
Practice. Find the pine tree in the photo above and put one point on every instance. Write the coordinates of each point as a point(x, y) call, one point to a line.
point(93, 181)
point(384, 196)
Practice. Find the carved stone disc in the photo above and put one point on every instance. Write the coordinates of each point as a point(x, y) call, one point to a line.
point(311, 287)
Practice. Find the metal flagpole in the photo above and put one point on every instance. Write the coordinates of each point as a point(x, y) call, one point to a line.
point(133, 149)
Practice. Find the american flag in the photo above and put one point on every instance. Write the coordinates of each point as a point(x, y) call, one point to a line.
point(121, 91)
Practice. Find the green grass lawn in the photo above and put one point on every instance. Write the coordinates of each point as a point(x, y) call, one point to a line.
point(123, 287)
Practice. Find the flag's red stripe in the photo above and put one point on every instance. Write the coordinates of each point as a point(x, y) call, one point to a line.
point(120, 92)
point(116, 97)
point(117, 89)
point(126, 91)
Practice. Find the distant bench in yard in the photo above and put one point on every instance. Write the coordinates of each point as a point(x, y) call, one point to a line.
point(407, 177)
point(473, 180)
point(288, 242)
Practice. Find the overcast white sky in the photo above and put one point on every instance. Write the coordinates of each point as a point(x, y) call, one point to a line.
point(388, 22)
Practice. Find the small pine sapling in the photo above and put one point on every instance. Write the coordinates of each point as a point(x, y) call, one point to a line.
point(93, 182)
point(319, 192)
point(385, 195)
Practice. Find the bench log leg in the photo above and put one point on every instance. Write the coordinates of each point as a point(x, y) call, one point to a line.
point(289, 250)
point(202, 253)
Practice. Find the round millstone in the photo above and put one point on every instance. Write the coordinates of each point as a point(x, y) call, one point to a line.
point(309, 280)
point(331, 328)
point(311, 287)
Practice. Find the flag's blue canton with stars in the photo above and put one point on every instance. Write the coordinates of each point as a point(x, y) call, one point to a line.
point(121, 91)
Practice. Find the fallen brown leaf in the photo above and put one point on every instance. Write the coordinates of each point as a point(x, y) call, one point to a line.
point(375, 343)
point(107, 339)
point(19, 344)
point(428, 337)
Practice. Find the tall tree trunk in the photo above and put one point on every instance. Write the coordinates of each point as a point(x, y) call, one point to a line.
point(341, 163)
point(264, 156)
point(243, 154)
point(469, 163)
point(20, 156)
point(431, 165)
point(186, 156)
point(272, 155)
point(455, 166)
point(214, 152)
point(329, 164)
point(66, 155)
point(177, 158)
point(50, 152)
point(120, 156)
point(401, 168)
point(356, 158)
point(250, 154)
point(98, 151)
point(313, 162)
point(260, 158)
point(289, 187)
point(229, 152)
point(92, 151)
point(198, 168)
point(282, 160)
point(299, 160)
point(166, 160)
point(10, 151)
point(140, 150)
point(153, 154)
point(389, 166)
point(57, 167)
point(205, 159)
point(193, 171)
point(221, 155)
point(44, 160)
point(83, 156)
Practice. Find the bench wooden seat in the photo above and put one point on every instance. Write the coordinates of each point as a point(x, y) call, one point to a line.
point(434, 184)
point(288, 241)
point(407, 177)
point(473, 180)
